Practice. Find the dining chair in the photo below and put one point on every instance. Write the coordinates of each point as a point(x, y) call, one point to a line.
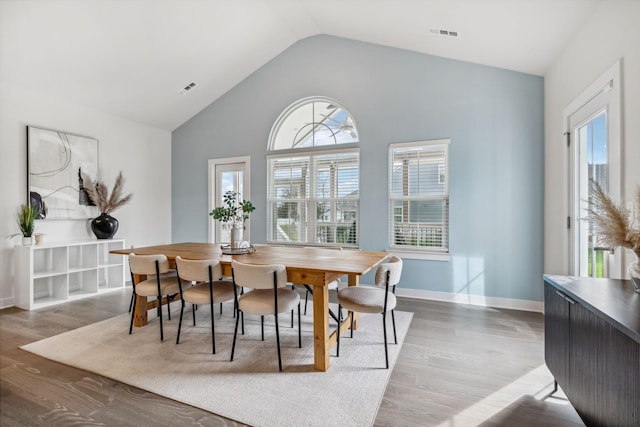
point(369, 299)
point(266, 295)
point(171, 272)
point(157, 285)
point(209, 289)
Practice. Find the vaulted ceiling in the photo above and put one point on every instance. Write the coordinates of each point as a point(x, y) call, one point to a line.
point(132, 58)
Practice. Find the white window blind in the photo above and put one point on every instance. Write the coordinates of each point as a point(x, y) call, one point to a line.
point(419, 196)
point(313, 198)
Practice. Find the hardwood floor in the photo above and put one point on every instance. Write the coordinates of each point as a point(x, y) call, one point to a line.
point(459, 366)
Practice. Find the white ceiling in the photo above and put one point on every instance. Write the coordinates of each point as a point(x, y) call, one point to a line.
point(131, 57)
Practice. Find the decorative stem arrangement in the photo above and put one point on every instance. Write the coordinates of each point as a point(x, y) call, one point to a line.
point(105, 226)
point(617, 226)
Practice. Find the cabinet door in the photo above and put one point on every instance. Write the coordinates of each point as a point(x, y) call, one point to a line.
point(604, 371)
point(556, 335)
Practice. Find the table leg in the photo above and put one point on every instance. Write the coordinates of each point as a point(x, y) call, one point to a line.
point(321, 343)
point(354, 280)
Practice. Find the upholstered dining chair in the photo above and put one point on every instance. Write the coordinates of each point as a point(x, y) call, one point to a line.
point(153, 266)
point(171, 272)
point(369, 299)
point(267, 295)
point(209, 289)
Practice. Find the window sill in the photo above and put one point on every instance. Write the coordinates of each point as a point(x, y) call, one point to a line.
point(426, 256)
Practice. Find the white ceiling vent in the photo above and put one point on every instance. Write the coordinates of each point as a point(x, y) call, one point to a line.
point(450, 33)
point(188, 87)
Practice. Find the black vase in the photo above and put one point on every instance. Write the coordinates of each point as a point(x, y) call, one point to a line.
point(105, 226)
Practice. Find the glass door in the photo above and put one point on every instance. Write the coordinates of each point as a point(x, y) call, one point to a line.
point(591, 164)
point(227, 175)
point(593, 131)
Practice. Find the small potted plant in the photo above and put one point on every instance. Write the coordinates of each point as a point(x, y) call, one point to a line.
point(26, 222)
point(233, 213)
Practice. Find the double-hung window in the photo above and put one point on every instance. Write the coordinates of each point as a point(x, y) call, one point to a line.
point(419, 196)
point(313, 195)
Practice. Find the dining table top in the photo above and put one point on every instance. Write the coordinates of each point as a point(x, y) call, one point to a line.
point(321, 259)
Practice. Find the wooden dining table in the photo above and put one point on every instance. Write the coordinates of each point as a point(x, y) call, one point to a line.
point(312, 266)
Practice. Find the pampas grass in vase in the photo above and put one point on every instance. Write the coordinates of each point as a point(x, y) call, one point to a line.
point(616, 226)
point(105, 226)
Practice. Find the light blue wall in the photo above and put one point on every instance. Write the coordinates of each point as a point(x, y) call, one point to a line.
point(493, 117)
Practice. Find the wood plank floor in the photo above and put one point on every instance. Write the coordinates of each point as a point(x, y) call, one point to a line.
point(459, 366)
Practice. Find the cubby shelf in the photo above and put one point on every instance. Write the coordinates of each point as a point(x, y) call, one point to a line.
point(57, 272)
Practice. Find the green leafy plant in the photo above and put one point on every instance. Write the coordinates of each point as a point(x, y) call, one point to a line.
point(233, 210)
point(26, 219)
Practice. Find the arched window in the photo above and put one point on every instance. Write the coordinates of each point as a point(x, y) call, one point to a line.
point(314, 175)
point(313, 122)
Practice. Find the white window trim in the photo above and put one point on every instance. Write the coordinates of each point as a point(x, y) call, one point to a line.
point(609, 80)
point(428, 254)
point(425, 256)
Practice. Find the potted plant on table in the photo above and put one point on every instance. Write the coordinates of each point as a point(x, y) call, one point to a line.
point(105, 226)
point(26, 222)
point(233, 213)
point(617, 226)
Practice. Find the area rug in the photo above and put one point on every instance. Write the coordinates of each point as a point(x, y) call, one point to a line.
point(250, 389)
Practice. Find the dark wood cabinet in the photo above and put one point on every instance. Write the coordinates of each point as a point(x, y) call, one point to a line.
point(592, 347)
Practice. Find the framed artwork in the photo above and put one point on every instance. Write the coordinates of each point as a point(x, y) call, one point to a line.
point(56, 164)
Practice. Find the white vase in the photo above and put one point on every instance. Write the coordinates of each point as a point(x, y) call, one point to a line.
point(633, 269)
point(27, 241)
point(236, 237)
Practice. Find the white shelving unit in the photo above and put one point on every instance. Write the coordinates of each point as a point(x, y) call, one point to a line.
point(58, 272)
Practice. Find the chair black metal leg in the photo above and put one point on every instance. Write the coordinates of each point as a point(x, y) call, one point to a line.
point(292, 318)
point(351, 313)
point(133, 296)
point(338, 331)
point(213, 331)
point(306, 297)
point(180, 322)
point(235, 335)
point(220, 308)
point(333, 315)
point(133, 313)
point(168, 306)
point(299, 333)
point(194, 307)
point(393, 321)
point(384, 330)
point(278, 342)
point(160, 316)
point(242, 314)
point(262, 326)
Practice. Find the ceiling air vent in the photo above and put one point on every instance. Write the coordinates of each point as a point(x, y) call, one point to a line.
point(450, 33)
point(188, 87)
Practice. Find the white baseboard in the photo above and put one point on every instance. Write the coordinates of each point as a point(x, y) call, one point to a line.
point(496, 302)
point(7, 302)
